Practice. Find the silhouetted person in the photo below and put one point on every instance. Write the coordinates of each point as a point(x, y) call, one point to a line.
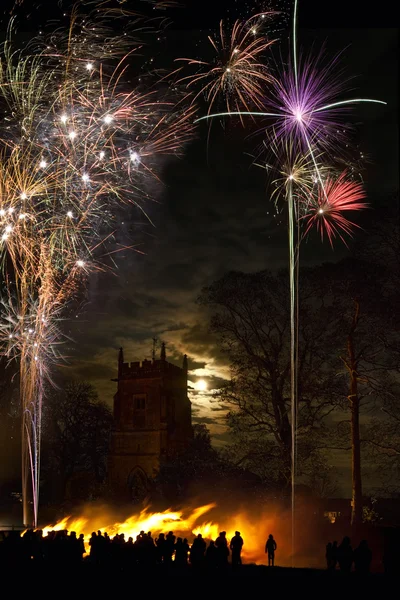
point(362, 558)
point(161, 548)
point(221, 544)
point(270, 548)
point(94, 548)
point(236, 546)
point(129, 554)
point(74, 550)
point(197, 551)
point(211, 555)
point(328, 555)
point(179, 552)
point(81, 545)
point(345, 555)
point(169, 547)
point(334, 555)
point(186, 549)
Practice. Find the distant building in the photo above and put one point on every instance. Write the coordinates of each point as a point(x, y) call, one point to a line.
point(152, 422)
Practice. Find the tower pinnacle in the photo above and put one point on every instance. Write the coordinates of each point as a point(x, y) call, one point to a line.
point(120, 361)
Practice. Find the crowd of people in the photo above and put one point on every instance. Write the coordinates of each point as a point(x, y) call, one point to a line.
point(343, 556)
point(168, 550)
point(68, 548)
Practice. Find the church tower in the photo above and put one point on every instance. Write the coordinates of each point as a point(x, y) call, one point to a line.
point(152, 422)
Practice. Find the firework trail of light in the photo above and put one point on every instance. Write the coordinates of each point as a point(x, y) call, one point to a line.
point(78, 147)
point(305, 108)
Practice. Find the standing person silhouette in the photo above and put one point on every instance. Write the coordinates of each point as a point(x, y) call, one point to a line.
point(270, 548)
point(236, 546)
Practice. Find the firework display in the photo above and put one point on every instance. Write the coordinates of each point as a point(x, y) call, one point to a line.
point(83, 131)
point(301, 108)
point(85, 121)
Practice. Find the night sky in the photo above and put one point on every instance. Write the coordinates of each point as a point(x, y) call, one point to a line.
point(213, 212)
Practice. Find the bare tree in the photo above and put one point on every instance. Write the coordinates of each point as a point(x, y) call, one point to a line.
point(250, 317)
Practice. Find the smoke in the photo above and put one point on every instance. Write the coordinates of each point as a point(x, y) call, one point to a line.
point(253, 514)
point(254, 517)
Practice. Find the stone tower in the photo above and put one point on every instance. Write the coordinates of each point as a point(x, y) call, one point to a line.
point(152, 422)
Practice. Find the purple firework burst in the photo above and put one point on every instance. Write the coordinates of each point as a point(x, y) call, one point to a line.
point(303, 104)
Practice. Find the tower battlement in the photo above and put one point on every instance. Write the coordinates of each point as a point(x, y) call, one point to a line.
point(149, 368)
point(152, 421)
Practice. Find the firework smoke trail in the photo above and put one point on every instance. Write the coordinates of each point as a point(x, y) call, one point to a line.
point(78, 147)
point(305, 108)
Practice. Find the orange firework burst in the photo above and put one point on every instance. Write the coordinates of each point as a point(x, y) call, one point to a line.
point(326, 209)
point(237, 71)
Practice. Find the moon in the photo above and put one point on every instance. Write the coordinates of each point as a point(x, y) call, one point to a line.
point(201, 385)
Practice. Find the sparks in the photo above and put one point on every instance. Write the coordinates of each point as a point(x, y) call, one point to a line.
point(134, 156)
point(339, 195)
point(237, 73)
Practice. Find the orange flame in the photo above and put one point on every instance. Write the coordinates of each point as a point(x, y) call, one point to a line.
point(253, 527)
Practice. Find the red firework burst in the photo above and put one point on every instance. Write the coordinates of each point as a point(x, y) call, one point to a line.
point(325, 211)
